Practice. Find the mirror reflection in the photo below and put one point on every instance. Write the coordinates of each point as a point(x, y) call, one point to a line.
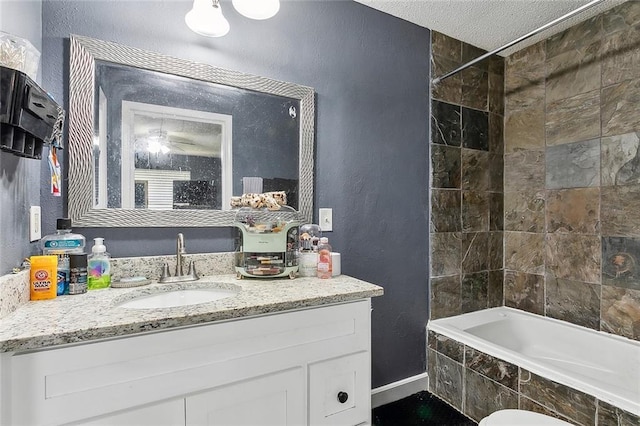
point(165, 142)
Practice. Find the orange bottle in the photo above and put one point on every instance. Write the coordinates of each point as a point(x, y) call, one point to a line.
point(43, 277)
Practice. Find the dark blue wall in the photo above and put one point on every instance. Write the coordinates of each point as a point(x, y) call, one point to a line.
point(370, 72)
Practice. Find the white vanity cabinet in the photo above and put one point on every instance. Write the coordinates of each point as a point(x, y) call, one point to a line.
point(309, 366)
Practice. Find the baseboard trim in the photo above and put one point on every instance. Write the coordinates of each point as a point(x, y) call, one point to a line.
point(398, 390)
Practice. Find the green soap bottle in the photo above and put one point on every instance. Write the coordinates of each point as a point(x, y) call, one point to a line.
point(98, 266)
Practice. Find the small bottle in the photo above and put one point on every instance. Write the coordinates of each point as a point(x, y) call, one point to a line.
point(77, 273)
point(325, 268)
point(99, 266)
point(62, 244)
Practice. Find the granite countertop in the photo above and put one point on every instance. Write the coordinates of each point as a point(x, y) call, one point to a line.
point(96, 314)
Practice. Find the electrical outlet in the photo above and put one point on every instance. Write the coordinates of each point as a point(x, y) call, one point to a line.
point(326, 219)
point(35, 223)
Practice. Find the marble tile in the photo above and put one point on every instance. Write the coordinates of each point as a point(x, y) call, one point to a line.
point(475, 251)
point(496, 172)
point(475, 129)
point(495, 290)
point(573, 165)
point(620, 210)
point(524, 129)
point(573, 210)
point(496, 133)
point(610, 415)
point(523, 91)
point(449, 347)
point(496, 211)
point(524, 211)
point(446, 123)
point(445, 297)
point(494, 368)
point(573, 404)
point(475, 170)
point(573, 72)
point(431, 340)
point(496, 65)
point(524, 170)
point(622, 60)
point(475, 211)
point(573, 301)
point(527, 59)
point(620, 311)
point(470, 52)
point(449, 381)
point(621, 17)
point(580, 35)
point(574, 257)
point(573, 119)
point(496, 250)
point(450, 89)
point(524, 252)
point(445, 210)
point(620, 159)
point(621, 262)
point(448, 47)
point(529, 405)
point(475, 88)
point(432, 369)
point(620, 108)
point(496, 93)
point(474, 291)
point(446, 256)
point(483, 396)
point(524, 291)
point(445, 166)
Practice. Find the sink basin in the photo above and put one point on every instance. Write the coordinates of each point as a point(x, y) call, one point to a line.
point(178, 297)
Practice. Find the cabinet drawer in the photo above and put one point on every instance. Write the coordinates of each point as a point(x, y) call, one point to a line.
point(338, 390)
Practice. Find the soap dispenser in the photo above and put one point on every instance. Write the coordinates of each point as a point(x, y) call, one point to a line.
point(98, 266)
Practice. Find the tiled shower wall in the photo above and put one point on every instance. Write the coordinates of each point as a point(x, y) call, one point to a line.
point(466, 189)
point(572, 175)
point(571, 212)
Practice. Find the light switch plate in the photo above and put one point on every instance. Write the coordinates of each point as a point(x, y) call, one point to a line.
point(35, 223)
point(325, 216)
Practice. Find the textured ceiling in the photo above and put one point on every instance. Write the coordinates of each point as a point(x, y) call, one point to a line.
point(489, 24)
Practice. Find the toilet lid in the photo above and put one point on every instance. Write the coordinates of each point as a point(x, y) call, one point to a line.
point(521, 418)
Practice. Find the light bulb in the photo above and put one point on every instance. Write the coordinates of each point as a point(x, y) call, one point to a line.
point(205, 18)
point(257, 9)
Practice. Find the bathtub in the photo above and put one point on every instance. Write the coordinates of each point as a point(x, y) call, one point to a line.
point(597, 363)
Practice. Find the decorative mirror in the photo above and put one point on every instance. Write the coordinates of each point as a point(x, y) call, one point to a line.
point(157, 141)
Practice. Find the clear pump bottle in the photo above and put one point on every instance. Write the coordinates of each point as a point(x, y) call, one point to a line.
point(98, 266)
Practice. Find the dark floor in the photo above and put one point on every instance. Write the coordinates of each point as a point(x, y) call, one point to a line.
point(421, 409)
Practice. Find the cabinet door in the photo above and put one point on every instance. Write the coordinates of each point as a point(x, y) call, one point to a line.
point(169, 413)
point(276, 399)
point(340, 390)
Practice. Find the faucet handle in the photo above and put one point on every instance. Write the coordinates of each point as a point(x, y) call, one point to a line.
point(192, 270)
point(165, 272)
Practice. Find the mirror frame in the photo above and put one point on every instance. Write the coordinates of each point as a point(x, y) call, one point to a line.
point(83, 54)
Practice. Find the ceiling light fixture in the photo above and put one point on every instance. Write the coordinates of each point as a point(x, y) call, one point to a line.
point(257, 9)
point(205, 18)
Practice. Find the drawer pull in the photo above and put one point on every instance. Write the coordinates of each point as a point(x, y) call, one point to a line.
point(342, 397)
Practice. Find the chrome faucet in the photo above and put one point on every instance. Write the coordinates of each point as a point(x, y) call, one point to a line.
point(179, 275)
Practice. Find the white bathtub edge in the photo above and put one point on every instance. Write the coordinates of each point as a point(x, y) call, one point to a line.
point(532, 366)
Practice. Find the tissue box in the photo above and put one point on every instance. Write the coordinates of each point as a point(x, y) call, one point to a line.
point(19, 54)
